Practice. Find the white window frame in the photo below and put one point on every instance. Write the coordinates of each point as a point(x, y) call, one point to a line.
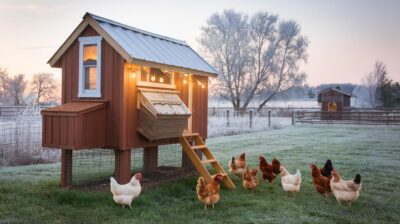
point(147, 83)
point(82, 92)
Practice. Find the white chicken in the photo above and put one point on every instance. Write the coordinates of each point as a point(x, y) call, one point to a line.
point(345, 191)
point(290, 182)
point(124, 194)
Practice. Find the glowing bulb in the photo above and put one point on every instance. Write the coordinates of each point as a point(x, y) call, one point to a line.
point(153, 78)
point(184, 81)
point(202, 86)
point(198, 82)
point(161, 79)
point(133, 75)
point(186, 75)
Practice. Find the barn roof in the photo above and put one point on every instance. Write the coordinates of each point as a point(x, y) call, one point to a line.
point(141, 47)
point(334, 89)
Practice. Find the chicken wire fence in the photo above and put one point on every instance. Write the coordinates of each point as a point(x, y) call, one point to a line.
point(21, 144)
point(96, 166)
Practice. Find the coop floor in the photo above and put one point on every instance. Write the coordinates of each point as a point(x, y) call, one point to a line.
point(32, 194)
point(159, 177)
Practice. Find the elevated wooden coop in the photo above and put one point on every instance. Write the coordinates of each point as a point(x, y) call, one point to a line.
point(125, 88)
point(334, 102)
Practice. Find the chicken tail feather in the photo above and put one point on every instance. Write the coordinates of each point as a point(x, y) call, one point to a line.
point(357, 179)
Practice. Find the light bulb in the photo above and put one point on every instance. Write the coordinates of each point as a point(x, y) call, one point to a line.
point(133, 74)
point(186, 75)
point(153, 78)
point(198, 82)
point(184, 81)
point(161, 79)
point(202, 86)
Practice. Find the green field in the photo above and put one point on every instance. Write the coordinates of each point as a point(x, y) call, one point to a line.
point(31, 194)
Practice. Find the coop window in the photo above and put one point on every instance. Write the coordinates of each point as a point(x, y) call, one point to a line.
point(154, 77)
point(90, 66)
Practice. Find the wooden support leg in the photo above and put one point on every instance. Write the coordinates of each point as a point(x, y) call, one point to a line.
point(66, 168)
point(186, 162)
point(150, 159)
point(123, 166)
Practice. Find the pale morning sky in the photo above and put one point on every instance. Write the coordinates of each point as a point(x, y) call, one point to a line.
point(346, 37)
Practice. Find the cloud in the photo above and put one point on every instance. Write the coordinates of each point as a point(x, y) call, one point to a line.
point(36, 8)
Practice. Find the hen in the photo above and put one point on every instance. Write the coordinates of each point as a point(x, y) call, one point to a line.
point(327, 169)
point(321, 183)
point(267, 170)
point(275, 166)
point(345, 191)
point(124, 194)
point(208, 194)
point(290, 183)
point(237, 165)
point(250, 179)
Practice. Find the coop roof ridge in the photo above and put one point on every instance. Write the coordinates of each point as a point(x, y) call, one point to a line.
point(140, 47)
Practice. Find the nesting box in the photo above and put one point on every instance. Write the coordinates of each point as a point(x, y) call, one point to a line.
point(162, 114)
point(151, 89)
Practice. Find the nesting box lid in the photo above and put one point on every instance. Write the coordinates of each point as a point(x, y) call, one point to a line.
point(163, 103)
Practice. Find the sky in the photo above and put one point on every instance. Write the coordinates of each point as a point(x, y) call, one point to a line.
point(346, 37)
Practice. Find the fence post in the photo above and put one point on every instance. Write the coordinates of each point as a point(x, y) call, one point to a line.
point(251, 119)
point(269, 118)
point(293, 121)
point(387, 118)
point(227, 118)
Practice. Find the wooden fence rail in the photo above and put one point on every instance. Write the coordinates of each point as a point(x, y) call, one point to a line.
point(350, 117)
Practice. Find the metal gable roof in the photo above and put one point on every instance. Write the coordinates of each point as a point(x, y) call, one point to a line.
point(140, 46)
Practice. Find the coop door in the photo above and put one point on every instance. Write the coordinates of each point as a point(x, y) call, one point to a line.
point(332, 107)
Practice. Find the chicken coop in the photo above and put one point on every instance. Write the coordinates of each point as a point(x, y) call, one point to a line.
point(334, 102)
point(129, 90)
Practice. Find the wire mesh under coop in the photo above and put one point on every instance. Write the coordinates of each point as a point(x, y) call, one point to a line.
point(170, 155)
point(96, 166)
point(136, 160)
point(92, 166)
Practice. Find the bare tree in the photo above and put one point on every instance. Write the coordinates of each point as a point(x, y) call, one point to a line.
point(260, 57)
point(4, 81)
point(44, 87)
point(16, 88)
point(371, 81)
point(225, 40)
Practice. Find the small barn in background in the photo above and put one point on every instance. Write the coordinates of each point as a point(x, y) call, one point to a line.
point(333, 100)
point(124, 88)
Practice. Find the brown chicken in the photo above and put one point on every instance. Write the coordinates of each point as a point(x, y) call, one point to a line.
point(208, 194)
point(250, 179)
point(321, 183)
point(237, 165)
point(275, 166)
point(267, 170)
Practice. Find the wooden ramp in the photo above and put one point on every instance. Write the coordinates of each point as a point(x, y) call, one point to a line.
point(190, 151)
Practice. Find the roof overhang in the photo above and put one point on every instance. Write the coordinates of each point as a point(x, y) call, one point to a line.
point(89, 21)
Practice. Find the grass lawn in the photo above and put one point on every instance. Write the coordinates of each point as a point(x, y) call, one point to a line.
point(31, 194)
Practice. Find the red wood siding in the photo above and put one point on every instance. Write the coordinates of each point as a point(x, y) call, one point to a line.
point(70, 131)
point(111, 71)
point(200, 107)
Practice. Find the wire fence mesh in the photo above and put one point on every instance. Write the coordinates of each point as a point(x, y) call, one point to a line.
point(170, 155)
point(92, 166)
point(21, 144)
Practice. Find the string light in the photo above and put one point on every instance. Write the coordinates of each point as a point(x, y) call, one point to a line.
point(153, 78)
point(161, 79)
point(184, 81)
point(133, 74)
point(202, 86)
